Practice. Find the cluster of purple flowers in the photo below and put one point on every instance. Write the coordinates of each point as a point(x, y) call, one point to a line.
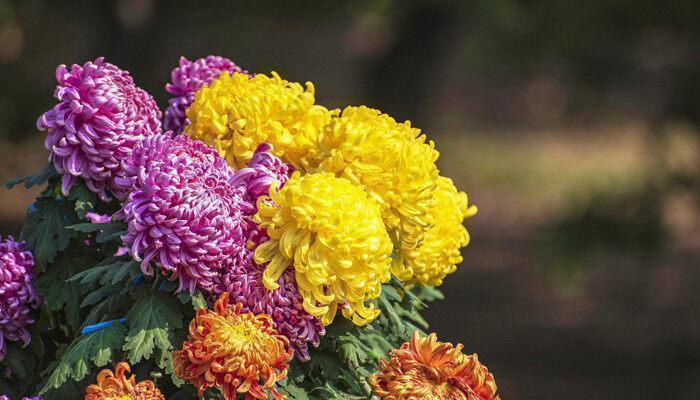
point(182, 211)
point(100, 117)
point(18, 296)
point(187, 78)
point(4, 397)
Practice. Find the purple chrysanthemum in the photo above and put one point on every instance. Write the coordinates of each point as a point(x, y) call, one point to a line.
point(4, 397)
point(100, 116)
point(187, 78)
point(183, 211)
point(18, 296)
point(244, 281)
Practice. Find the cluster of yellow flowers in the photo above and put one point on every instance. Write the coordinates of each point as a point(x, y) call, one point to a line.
point(338, 263)
point(237, 113)
point(367, 201)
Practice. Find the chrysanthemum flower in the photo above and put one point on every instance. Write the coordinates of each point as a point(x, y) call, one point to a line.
point(426, 369)
point(236, 351)
point(391, 161)
point(100, 116)
point(187, 78)
point(439, 254)
point(118, 385)
point(332, 233)
point(244, 283)
point(18, 296)
point(236, 113)
point(183, 211)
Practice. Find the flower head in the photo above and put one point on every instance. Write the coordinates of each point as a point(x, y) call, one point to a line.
point(100, 117)
point(424, 368)
point(237, 351)
point(332, 233)
point(183, 210)
point(439, 254)
point(391, 161)
point(187, 78)
point(18, 296)
point(118, 385)
point(244, 283)
point(236, 113)
point(5, 397)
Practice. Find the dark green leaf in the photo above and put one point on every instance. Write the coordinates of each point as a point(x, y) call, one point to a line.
point(151, 319)
point(45, 228)
point(105, 232)
point(58, 292)
point(110, 271)
point(32, 180)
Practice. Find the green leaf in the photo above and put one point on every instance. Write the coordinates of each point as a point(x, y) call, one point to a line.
point(30, 181)
point(94, 348)
point(58, 292)
point(83, 199)
point(196, 299)
point(14, 360)
point(428, 293)
point(45, 228)
point(294, 392)
point(151, 319)
point(105, 232)
point(99, 294)
point(110, 271)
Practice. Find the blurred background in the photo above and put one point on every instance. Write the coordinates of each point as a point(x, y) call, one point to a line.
point(574, 126)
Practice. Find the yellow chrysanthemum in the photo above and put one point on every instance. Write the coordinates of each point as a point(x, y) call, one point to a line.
point(391, 161)
point(118, 386)
point(238, 352)
point(333, 235)
point(426, 369)
point(237, 113)
point(439, 253)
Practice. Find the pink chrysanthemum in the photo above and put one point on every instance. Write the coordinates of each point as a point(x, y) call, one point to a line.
point(100, 116)
point(244, 281)
point(183, 211)
point(187, 78)
point(18, 296)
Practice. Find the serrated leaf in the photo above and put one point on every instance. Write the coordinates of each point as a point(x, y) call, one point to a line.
point(109, 271)
point(105, 232)
point(45, 228)
point(82, 198)
point(58, 292)
point(196, 299)
point(30, 181)
point(151, 319)
point(115, 305)
point(99, 294)
point(428, 293)
point(94, 348)
point(294, 392)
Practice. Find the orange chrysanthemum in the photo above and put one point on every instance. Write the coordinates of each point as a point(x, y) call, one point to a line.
point(118, 386)
point(236, 351)
point(426, 369)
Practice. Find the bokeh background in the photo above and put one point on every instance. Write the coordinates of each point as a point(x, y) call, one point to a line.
point(574, 126)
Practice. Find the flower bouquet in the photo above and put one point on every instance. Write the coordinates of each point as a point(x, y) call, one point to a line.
point(253, 245)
